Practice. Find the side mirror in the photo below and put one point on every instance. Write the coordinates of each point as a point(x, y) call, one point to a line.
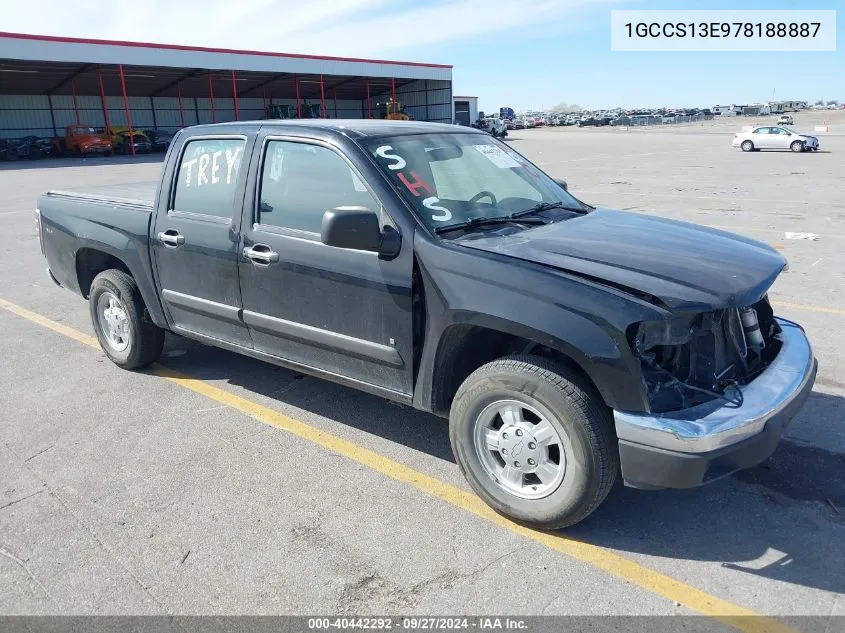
point(562, 183)
point(358, 228)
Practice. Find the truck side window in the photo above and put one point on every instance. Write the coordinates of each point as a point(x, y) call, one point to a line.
point(207, 177)
point(300, 182)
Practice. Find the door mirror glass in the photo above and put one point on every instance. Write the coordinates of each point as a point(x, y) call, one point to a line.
point(357, 228)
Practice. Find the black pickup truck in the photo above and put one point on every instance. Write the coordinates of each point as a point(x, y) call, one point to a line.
point(435, 266)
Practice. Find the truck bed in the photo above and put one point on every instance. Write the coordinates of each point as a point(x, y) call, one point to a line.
point(136, 194)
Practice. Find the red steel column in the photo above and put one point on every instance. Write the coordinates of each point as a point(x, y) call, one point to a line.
point(322, 99)
point(126, 109)
point(105, 107)
point(298, 109)
point(235, 95)
point(335, 103)
point(75, 105)
point(211, 97)
point(369, 103)
point(181, 112)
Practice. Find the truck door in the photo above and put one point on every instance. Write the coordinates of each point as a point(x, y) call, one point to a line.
point(197, 233)
point(342, 311)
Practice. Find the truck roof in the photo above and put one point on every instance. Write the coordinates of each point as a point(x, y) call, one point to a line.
point(356, 128)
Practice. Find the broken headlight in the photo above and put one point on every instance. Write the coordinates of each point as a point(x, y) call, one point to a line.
point(690, 359)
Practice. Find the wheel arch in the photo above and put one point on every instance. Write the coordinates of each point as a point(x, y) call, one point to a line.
point(464, 347)
point(92, 259)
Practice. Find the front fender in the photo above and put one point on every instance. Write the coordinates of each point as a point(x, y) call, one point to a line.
point(582, 320)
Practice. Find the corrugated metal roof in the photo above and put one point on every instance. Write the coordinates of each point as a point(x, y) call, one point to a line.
point(26, 47)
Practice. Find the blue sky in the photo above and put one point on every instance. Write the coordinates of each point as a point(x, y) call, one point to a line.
point(521, 53)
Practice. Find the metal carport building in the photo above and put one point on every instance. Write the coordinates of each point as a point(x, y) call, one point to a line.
point(49, 82)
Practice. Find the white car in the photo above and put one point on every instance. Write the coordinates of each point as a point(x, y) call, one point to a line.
point(774, 138)
point(495, 126)
point(786, 120)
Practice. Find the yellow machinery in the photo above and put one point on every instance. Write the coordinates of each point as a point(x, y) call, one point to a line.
point(393, 111)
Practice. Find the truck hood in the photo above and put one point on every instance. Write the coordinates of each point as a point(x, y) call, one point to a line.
point(680, 265)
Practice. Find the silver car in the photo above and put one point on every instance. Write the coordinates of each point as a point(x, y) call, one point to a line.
point(774, 138)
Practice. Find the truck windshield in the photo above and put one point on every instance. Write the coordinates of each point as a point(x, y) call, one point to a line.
point(453, 178)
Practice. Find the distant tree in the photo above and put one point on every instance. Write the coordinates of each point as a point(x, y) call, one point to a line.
point(820, 102)
point(833, 102)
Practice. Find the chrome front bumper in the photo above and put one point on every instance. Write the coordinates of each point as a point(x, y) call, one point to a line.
point(716, 424)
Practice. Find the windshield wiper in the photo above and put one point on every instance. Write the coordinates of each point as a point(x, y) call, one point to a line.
point(543, 206)
point(487, 221)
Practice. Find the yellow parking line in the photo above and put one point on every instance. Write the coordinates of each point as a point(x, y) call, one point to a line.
point(599, 557)
point(76, 335)
point(800, 306)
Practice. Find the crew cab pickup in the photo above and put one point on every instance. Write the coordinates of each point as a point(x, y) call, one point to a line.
point(435, 266)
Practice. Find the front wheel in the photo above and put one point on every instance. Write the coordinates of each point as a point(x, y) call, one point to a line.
point(534, 441)
point(747, 146)
point(126, 335)
point(797, 146)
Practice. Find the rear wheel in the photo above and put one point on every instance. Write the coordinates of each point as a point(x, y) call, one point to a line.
point(534, 441)
point(797, 146)
point(126, 335)
point(747, 146)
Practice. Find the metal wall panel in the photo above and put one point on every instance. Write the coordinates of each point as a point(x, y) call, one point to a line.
point(427, 100)
point(24, 116)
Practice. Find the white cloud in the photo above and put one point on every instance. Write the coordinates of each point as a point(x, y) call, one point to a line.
point(334, 27)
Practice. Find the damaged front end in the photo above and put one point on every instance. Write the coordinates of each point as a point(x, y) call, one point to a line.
point(690, 359)
point(722, 386)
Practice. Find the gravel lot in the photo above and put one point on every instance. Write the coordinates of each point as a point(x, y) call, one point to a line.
point(126, 493)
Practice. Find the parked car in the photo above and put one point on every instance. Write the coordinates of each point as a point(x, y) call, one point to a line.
point(785, 119)
point(518, 124)
point(589, 122)
point(766, 137)
point(28, 147)
point(82, 140)
point(561, 340)
point(493, 125)
point(529, 123)
point(122, 141)
point(159, 139)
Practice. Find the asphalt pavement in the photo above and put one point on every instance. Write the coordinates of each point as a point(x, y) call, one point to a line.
point(217, 484)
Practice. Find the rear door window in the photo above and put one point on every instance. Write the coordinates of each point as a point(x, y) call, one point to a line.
point(207, 177)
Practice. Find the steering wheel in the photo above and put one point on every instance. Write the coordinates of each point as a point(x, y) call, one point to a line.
point(484, 194)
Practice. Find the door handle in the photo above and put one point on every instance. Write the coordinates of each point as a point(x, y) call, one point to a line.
point(171, 238)
point(261, 254)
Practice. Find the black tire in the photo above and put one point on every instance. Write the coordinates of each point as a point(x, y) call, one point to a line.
point(145, 338)
point(747, 146)
point(574, 409)
point(797, 146)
